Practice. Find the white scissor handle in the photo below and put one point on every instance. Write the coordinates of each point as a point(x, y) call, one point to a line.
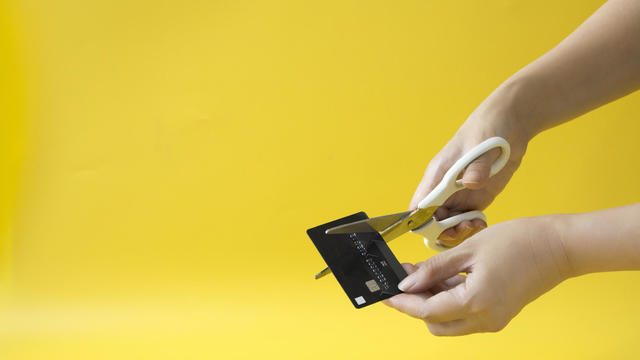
point(450, 183)
point(432, 229)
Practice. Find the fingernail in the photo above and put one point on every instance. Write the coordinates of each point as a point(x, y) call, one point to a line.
point(444, 244)
point(445, 237)
point(406, 283)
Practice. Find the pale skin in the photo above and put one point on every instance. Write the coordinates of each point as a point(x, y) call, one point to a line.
point(510, 264)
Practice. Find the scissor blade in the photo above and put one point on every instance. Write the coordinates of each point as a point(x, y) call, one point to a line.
point(412, 221)
point(322, 273)
point(377, 224)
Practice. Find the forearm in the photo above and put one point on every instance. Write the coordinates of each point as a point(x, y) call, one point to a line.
point(606, 240)
point(599, 62)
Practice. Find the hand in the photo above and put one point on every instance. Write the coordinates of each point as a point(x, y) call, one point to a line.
point(492, 118)
point(507, 265)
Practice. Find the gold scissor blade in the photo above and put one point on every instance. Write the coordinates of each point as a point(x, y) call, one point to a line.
point(376, 224)
point(322, 273)
point(413, 221)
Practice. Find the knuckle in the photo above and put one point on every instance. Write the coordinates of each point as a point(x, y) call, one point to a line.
point(500, 323)
point(474, 303)
point(494, 322)
point(429, 264)
point(425, 315)
point(419, 265)
point(495, 327)
point(429, 268)
point(435, 168)
point(435, 330)
point(467, 304)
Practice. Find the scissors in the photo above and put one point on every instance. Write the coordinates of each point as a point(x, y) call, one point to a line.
point(421, 220)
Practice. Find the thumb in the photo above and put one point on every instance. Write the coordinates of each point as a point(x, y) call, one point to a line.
point(477, 173)
point(436, 269)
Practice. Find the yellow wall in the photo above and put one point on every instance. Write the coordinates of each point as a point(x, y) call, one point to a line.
point(176, 152)
point(11, 139)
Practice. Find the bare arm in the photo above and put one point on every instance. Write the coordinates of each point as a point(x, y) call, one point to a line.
point(597, 63)
point(605, 240)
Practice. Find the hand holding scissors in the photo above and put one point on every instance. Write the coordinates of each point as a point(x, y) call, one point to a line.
point(421, 220)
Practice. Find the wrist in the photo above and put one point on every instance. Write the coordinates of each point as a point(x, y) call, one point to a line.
point(570, 229)
point(550, 249)
point(500, 115)
point(605, 240)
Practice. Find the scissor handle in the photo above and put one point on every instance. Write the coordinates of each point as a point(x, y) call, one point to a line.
point(434, 228)
point(450, 184)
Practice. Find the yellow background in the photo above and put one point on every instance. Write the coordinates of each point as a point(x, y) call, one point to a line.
point(161, 161)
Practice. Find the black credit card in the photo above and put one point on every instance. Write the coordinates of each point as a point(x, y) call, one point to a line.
point(362, 263)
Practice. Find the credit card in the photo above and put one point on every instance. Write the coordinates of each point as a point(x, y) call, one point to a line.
point(362, 263)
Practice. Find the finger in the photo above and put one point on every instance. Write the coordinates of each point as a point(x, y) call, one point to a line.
point(476, 226)
point(453, 328)
point(477, 173)
point(455, 280)
point(421, 191)
point(449, 238)
point(466, 229)
point(418, 195)
point(446, 309)
point(436, 269)
point(409, 268)
point(448, 284)
point(443, 212)
point(410, 304)
point(445, 306)
point(479, 223)
point(455, 235)
point(433, 174)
